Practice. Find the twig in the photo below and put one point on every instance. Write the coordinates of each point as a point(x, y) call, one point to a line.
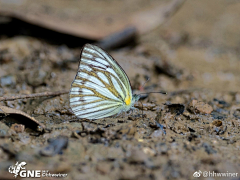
point(118, 39)
point(44, 94)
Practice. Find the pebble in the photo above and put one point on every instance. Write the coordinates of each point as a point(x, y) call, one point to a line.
point(8, 81)
point(237, 98)
point(137, 156)
point(3, 129)
point(18, 128)
point(200, 107)
point(217, 123)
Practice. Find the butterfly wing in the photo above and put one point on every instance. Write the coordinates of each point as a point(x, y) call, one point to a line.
point(101, 88)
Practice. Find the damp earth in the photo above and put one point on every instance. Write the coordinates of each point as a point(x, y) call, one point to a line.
point(193, 128)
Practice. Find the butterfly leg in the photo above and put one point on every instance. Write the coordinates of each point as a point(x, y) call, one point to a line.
point(129, 112)
point(120, 113)
point(116, 115)
point(133, 110)
point(138, 111)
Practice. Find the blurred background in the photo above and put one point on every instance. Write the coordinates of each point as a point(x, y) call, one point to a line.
point(200, 39)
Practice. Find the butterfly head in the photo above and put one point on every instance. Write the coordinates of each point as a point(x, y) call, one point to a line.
point(135, 98)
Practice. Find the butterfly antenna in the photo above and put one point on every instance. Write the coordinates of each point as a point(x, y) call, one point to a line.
point(161, 92)
point(145, 82)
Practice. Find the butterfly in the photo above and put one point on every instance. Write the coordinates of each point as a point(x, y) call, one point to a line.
point(100, 88)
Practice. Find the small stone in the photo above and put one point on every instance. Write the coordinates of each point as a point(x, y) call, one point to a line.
point(55, 146)
point(149, 151)
point(24, 138)
point(200, 107)
point(3, 129)
point(104, 168)
point(18, 128)
point(157, 134)
point(237, 98)
point(84, 169)
point(137, 156)
point(161, 148)
point(36, 77)
point(8, 81)
point(217, 123)
point(208, 148)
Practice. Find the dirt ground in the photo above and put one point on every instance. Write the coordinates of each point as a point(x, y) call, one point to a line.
point(194, 56)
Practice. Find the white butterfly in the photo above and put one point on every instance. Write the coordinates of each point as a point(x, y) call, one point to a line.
point(101, 88)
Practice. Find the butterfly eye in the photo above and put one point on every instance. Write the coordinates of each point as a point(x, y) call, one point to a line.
point(136, 97)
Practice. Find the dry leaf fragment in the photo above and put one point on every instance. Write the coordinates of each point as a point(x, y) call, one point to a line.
point(31, 120)
point(145, 19)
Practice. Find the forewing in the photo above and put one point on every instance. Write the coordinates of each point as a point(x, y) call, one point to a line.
point(100, 86)
point(112, 67)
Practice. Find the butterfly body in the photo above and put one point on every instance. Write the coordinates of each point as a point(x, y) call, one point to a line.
point(101, 88)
